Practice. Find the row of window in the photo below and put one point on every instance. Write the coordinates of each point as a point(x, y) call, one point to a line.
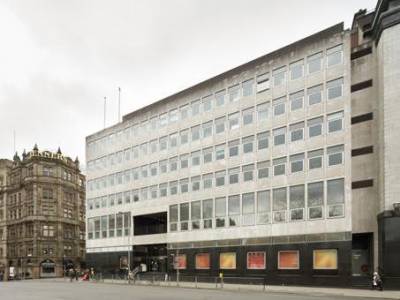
point(323, 259)
point(114, 225)
point(247, 88)
point(245, 174)
point(233, 121)
point(250, 144)
point(293, 203)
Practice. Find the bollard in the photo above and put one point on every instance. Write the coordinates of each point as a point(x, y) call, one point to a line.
point(195, 281)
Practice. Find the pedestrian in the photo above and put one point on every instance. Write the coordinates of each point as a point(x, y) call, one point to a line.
point(91, 274)
point(76, 274)
point(377, 282)
point(71, 274)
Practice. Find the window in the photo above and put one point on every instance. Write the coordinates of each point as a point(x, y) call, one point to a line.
point(234, 148)
point(207, 103)
point(256, 260)
point(248, 144)
point(248, 87)
point(173, 115)
point(220, 98)
point(262, 111)
point(173, 163)
point(173, 217)
point(195, 133)
point(227, 261)
point(263, 169)
point(173, 140)
point(315, 159)
point(220, 178)
point(144, 193)
point(207, 181)
point(279, 166)
point(184, 136)
point(163, 120)
point(195, 214)
point(195, 183)
point(248, 209)
point(195, 158)
point(296, 132)
point(207, 129)
point(203, 261)
point(325, 259)
point(315, 127)
point(163, 166)
point(144, 170)
point(335, 122)
point(334, 55)
point(220, 152)
point(207, 213)
point(153, 123)
point(233, 174)
point(153, 169)
point(184, 184)
point(279, 76)
point(233, 121)
point(184, 110)
point(233, 93)
point(111, 225)
point(248, 116)
point(234, 210)
point(184, 159)
point(279, 204)
point(296, 202)
point(315, 200)
point(163, 143)
point(248, 172)
point(153, 146)
point(296, 69)
point(335, 155)
point(220, 125)
point(195, 106)
point(297, 163)
point(314, 62)
point(135, 195)
point(314, 94)
point(207, 155)
point(334, 88)
point(279, 106)
point(288, 260)
point(279, 136)
point(262, 140)
point(153, 192)
point(296, 100)
point(163, 189)
point(184, 216)
point(263, 207)
point(220, 211)
point(263, 82)
point(335, 197)
point(173, 188)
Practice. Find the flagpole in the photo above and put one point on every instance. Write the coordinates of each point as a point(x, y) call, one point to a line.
point(105, 108)
point(119, 104)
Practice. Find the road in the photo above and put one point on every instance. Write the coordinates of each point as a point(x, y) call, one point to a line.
point(48, 290)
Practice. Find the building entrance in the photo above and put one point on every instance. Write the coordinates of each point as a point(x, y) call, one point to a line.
point(154, 257)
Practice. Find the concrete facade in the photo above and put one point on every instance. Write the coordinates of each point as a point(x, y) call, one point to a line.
point(173, 171)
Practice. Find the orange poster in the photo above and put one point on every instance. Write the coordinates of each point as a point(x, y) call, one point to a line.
point(256, 260)
point(325, 259)
point(202, 261)
point(288, 260)
point(227, 260)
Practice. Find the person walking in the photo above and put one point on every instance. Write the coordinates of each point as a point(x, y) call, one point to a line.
point(377, 282)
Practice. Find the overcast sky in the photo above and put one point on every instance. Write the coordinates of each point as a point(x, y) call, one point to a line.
point(58, 59)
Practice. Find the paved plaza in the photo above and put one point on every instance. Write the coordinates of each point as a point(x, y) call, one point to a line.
point(64, 290)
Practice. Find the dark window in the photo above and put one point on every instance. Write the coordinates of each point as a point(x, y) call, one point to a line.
point(362, 151)
point(361, 85)
point(361, 53)
point(362, 184)
point(362, 118)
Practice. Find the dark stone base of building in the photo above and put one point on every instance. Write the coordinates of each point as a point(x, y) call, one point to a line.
point(112, 263)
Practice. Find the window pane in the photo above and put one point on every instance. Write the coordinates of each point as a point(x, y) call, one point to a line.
point(335, 191)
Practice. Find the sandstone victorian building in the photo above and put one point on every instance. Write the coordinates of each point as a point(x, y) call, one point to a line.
point(286, 167)
point(42, 214)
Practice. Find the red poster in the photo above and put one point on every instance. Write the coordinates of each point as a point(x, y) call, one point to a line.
point(256, 260)
point(180, 261)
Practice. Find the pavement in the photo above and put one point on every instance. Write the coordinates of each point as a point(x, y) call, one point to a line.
point(60, 289)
